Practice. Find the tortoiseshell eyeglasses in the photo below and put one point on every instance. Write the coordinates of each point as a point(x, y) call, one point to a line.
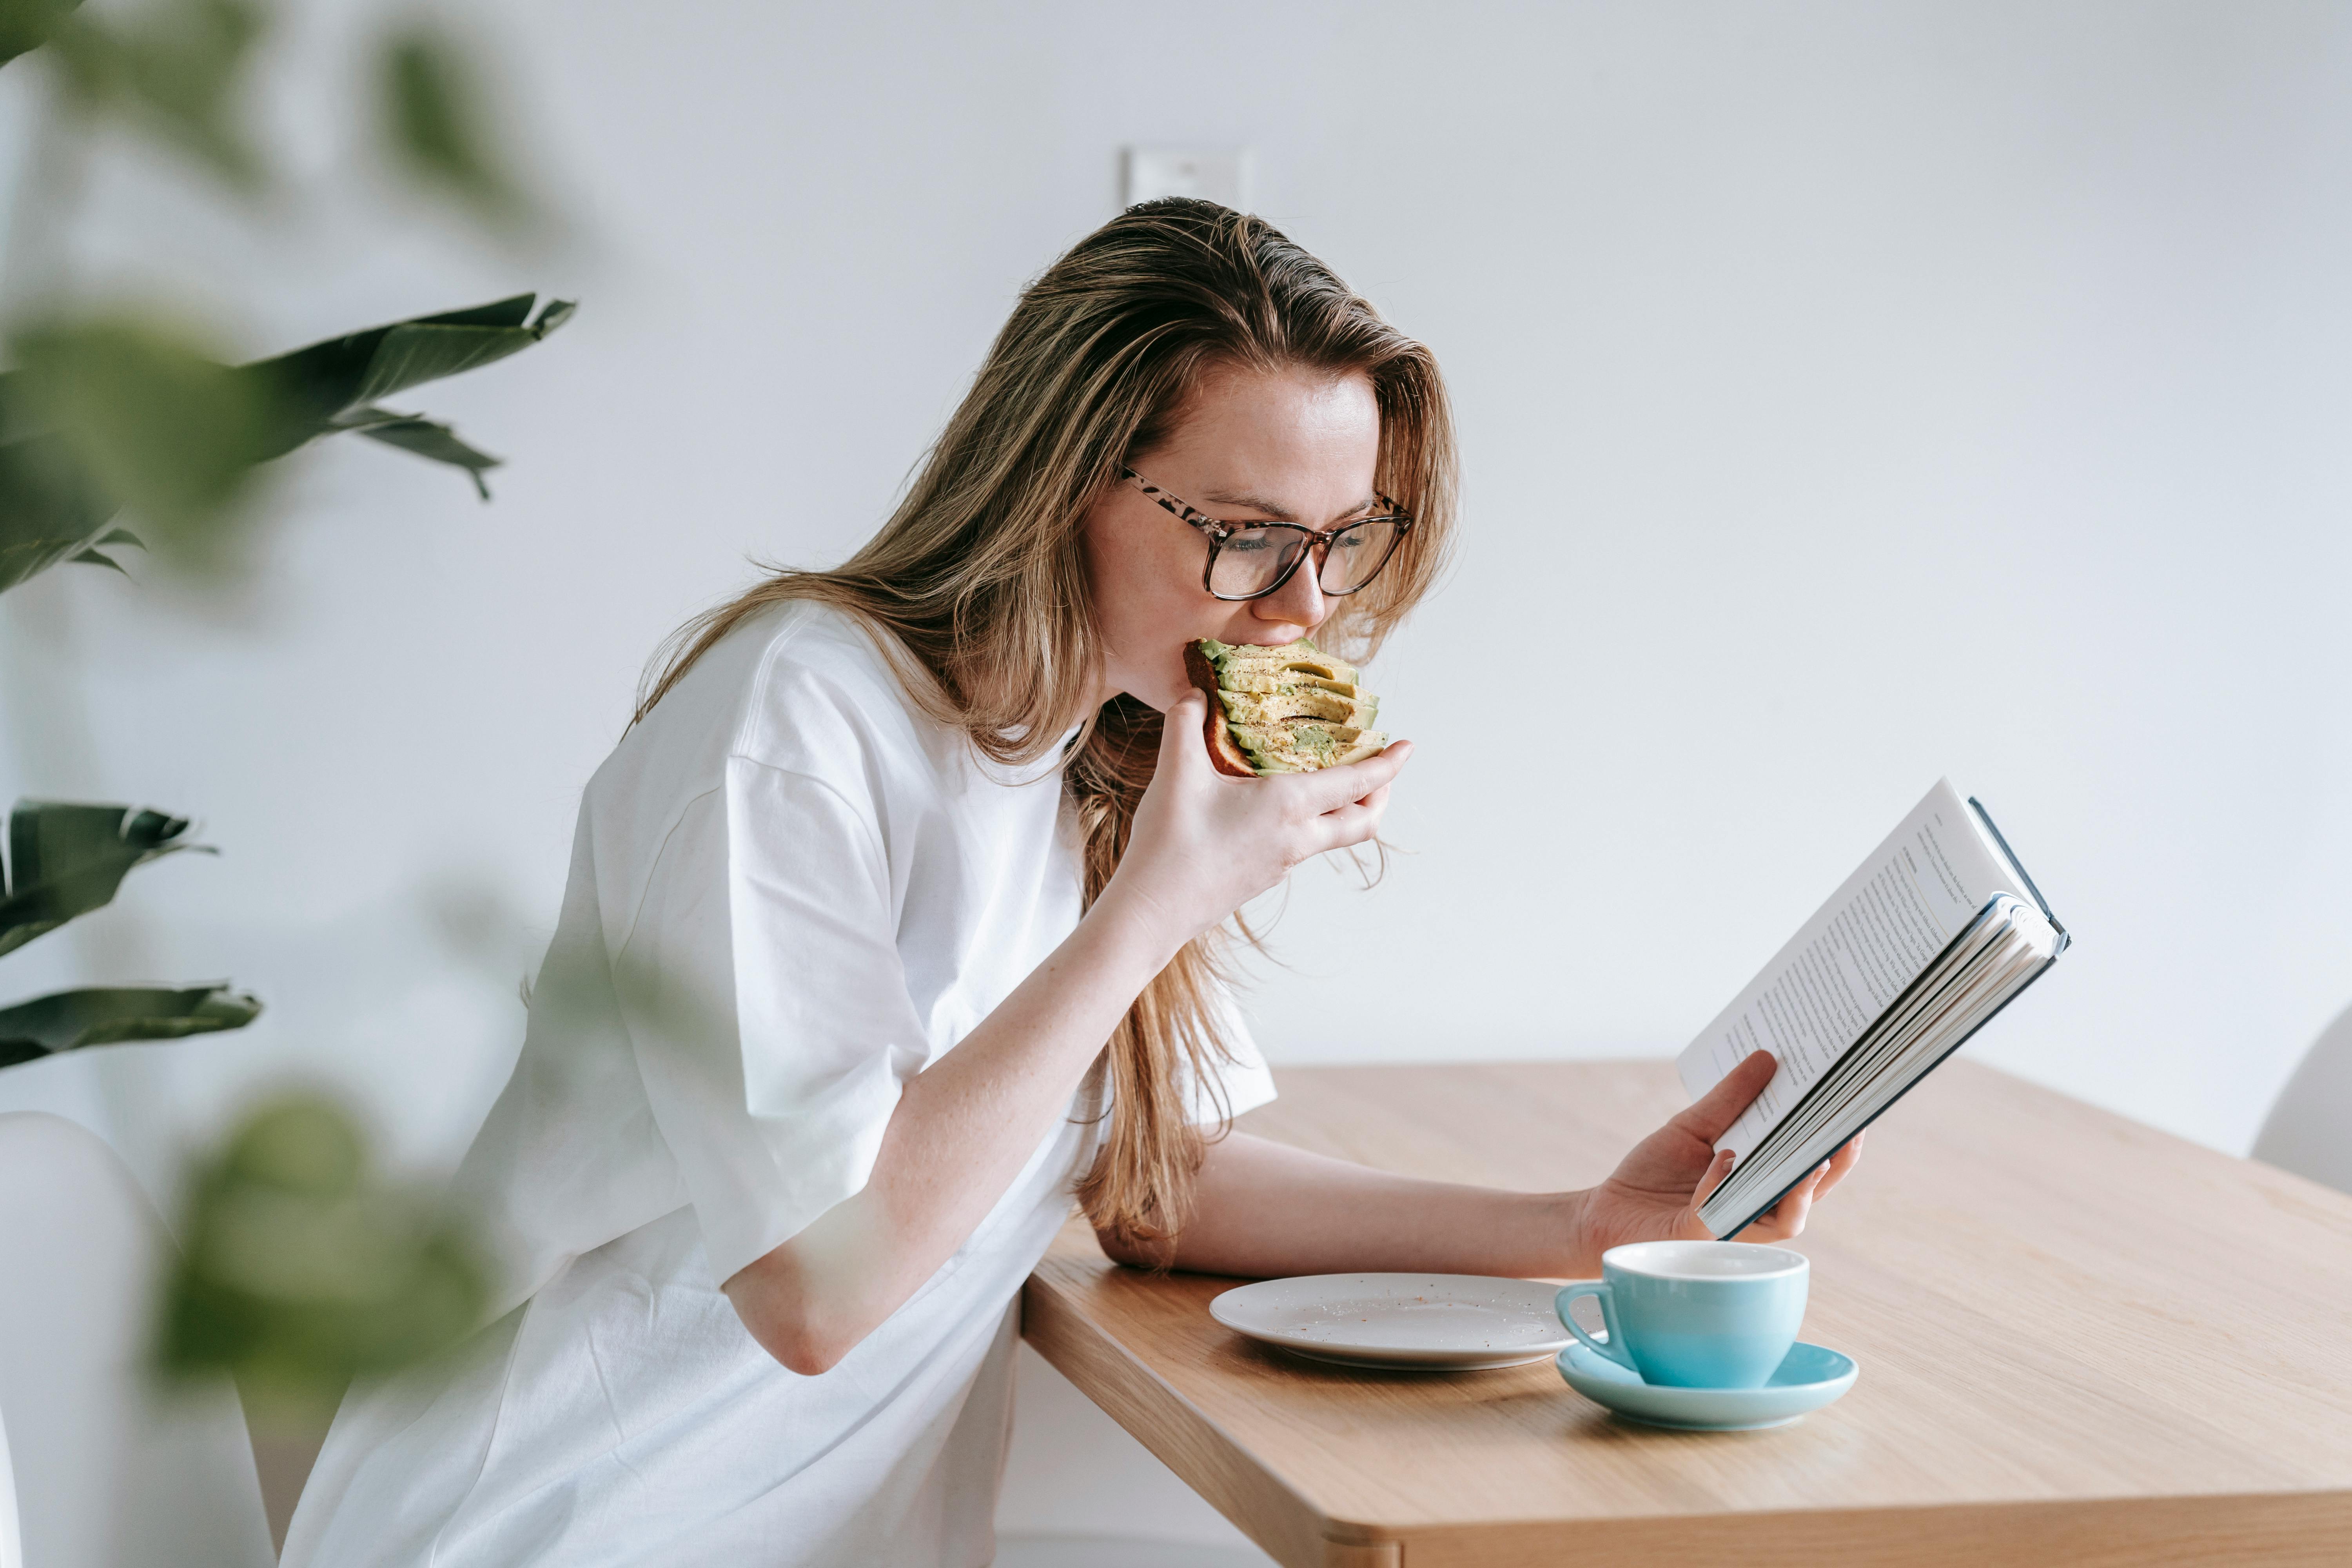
point(1251, 560)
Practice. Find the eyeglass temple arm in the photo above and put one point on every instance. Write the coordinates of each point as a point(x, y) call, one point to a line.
point(1184, 512)
point(1219, 529)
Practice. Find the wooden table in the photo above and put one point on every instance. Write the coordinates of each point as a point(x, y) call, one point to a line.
point(2083, 1341)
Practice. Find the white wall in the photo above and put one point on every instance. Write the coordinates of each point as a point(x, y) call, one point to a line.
point(1851, 395)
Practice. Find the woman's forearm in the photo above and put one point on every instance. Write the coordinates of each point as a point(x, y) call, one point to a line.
point(1262, 1208)
point(961, 1132)
point(1265, 1209)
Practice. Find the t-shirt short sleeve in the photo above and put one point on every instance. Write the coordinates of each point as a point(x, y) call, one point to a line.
point(1243, 1083)
point(764, 990)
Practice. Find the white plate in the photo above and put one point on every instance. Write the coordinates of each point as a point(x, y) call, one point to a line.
point(1436, 1323)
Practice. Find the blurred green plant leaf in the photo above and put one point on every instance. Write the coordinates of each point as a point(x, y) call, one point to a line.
point(95, 555)
point(304, 1270)
point(68, 857)
point(334, 385)
point(69, 1020)
point(425, 437)
point(436, 126)
point(154, 419)
point(26, 25)
point(316, 389)
point(114, 410)
point(51, 508)
point(174, 67)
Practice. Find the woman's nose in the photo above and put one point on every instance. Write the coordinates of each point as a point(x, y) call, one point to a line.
point(1299, 601)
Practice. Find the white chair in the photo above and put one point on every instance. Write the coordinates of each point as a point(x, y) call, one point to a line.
point(1078, 1493)
point(2310, 1127)
point(12, 1539)
point(109, 1470)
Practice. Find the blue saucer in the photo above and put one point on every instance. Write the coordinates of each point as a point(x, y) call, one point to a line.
point(1810, 1377)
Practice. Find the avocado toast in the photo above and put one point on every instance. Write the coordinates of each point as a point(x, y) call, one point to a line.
point(1286, 710)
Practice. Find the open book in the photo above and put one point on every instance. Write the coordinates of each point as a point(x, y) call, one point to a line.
point(1926, 940)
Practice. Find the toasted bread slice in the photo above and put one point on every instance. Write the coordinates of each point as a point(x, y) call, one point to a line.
point(1221, 748)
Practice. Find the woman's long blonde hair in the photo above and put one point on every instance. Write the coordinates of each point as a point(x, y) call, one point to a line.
point(979, 580)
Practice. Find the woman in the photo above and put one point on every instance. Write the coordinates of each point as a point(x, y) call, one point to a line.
point(817, 1062)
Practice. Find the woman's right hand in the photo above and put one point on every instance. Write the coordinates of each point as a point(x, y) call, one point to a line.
point(1205, 843)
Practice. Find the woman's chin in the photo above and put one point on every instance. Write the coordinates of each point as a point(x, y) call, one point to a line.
point(1162, 698)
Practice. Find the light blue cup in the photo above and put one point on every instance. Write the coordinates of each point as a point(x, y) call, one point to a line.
point(1696, 1314)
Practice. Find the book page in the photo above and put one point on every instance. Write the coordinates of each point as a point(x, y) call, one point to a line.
point(1848, 964)
point(1998, 956)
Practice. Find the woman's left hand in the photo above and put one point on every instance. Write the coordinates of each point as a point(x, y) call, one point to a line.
point(1654, 1193)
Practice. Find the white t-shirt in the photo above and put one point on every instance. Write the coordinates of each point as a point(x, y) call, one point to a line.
point(790, 891)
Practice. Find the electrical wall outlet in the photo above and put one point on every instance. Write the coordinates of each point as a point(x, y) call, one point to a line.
point(1216, 174)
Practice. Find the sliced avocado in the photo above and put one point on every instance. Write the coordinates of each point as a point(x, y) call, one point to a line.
point(1291, 659)
point(1273, 708)
point(1267, 751)
point(1242, 678)
point(1302, 745)
point(1286, 708)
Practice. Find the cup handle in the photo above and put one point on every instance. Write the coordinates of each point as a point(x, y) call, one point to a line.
point(1597, 1289)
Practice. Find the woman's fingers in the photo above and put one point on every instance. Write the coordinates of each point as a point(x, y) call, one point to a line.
point(1181, 728)
point(1790, 1212)
point(1718, 1171)
point(1349, 802)
point(1798, 1205)
point(1204, 844)
point(1712, 1114)
point(1839, 1163)
point(1350, 825)
point(1355, 822)
point(1330, 789)
point(1787, 1217)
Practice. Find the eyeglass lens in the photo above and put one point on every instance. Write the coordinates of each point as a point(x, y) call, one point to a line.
point(1252, 559)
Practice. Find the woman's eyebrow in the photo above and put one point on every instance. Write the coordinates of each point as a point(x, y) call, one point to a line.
point(1274, 510)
